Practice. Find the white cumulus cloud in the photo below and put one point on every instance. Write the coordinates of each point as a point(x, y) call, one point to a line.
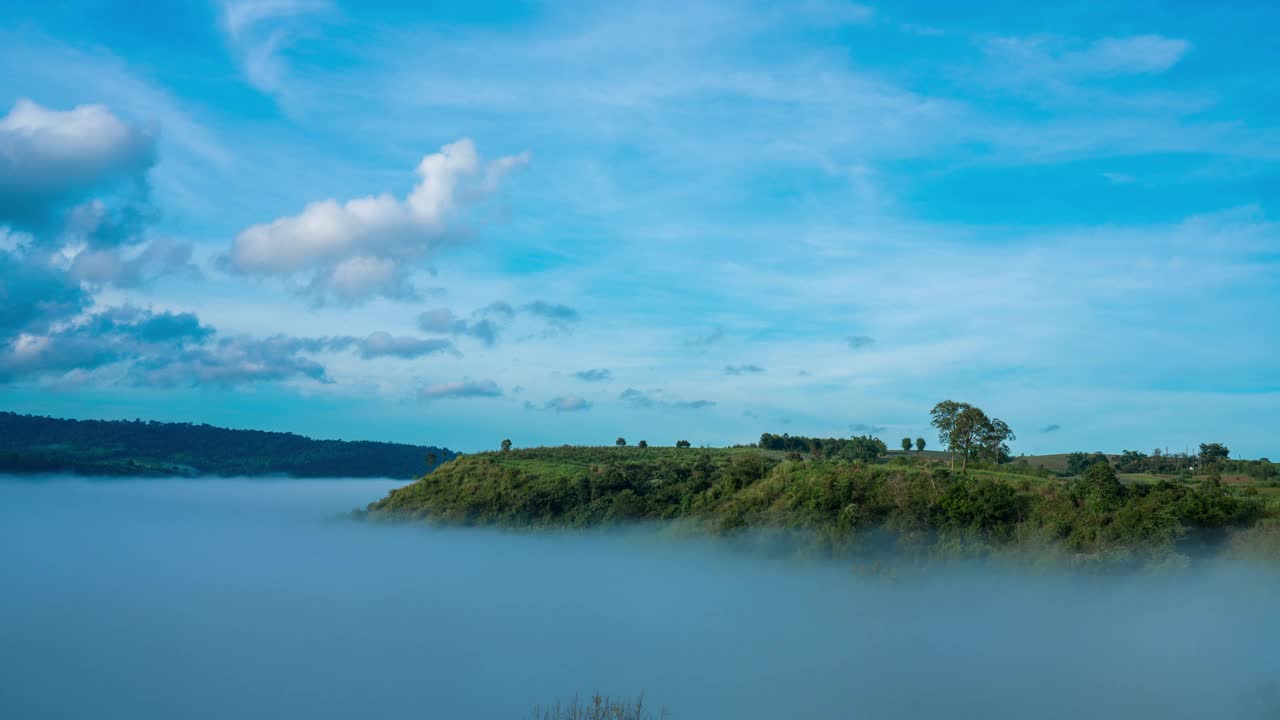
point(49, 158)
point(364, 247)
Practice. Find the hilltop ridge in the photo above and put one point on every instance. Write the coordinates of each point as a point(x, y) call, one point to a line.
point(34, 444)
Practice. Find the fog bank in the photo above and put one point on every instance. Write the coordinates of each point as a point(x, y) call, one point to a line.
point(243, 598)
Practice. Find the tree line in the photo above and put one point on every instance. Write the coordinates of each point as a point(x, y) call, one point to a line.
point(863, 447)
point(30, 443)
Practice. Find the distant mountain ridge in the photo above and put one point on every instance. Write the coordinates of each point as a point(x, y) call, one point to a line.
point(33, 444)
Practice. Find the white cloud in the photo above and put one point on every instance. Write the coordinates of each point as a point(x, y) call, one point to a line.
point(259, 31)
point(1053, 59)
point(243, 14)
point(48, 158)
point(1138, 54)
point(356, 248)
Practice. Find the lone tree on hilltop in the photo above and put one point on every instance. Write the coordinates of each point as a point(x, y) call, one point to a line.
point(506, 445)
point(683, 444)
point(966, 429)
point(620, 442)
point(642, 443)
point(919, 444)
point(906, 444)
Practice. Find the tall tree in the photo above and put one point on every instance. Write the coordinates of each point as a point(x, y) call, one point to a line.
point(920, 444)
point(506, 445)
point(944, 415)
point(620, 442)
point(994, 436)
point(642, 444)
point(967, 432)
point(906, 444)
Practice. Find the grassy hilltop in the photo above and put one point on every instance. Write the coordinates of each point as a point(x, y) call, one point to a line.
point(842, 504)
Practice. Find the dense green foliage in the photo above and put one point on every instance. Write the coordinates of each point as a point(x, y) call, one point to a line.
point(1213, 457)
point(30, 443)
point(843, 505)
point(967, 431)
point(864, 447)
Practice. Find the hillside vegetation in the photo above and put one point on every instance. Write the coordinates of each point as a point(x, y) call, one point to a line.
point(852, 506)
point(30, 444)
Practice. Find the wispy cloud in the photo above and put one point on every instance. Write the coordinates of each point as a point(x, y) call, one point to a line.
point(258, 31)
point(705, 339)
point(567, 403)
point(742, 369)
point(643, 399)
point(594, 375)
point(465, 388)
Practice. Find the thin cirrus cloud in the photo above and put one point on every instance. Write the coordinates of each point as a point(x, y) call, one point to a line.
point(465, 388)
point(355, 250)
point(259, 31)
point(743, 369)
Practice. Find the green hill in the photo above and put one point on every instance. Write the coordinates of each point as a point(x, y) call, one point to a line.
point(843, 506)
point(32, 444)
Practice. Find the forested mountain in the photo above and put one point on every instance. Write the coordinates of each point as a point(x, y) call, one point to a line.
point(30, 443)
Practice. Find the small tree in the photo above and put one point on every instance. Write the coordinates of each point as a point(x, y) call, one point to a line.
point(620, 442)
point(919, 444)
point(683, 444)
point(906, 444)
point(506, 445)
point(642, 443)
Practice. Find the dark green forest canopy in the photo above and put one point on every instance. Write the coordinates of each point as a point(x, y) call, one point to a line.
point(30, 443)
point(1096, 518)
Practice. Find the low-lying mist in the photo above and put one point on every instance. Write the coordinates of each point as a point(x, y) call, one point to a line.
point(248, 599)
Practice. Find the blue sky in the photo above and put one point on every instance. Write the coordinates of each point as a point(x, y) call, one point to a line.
point(563, 222)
